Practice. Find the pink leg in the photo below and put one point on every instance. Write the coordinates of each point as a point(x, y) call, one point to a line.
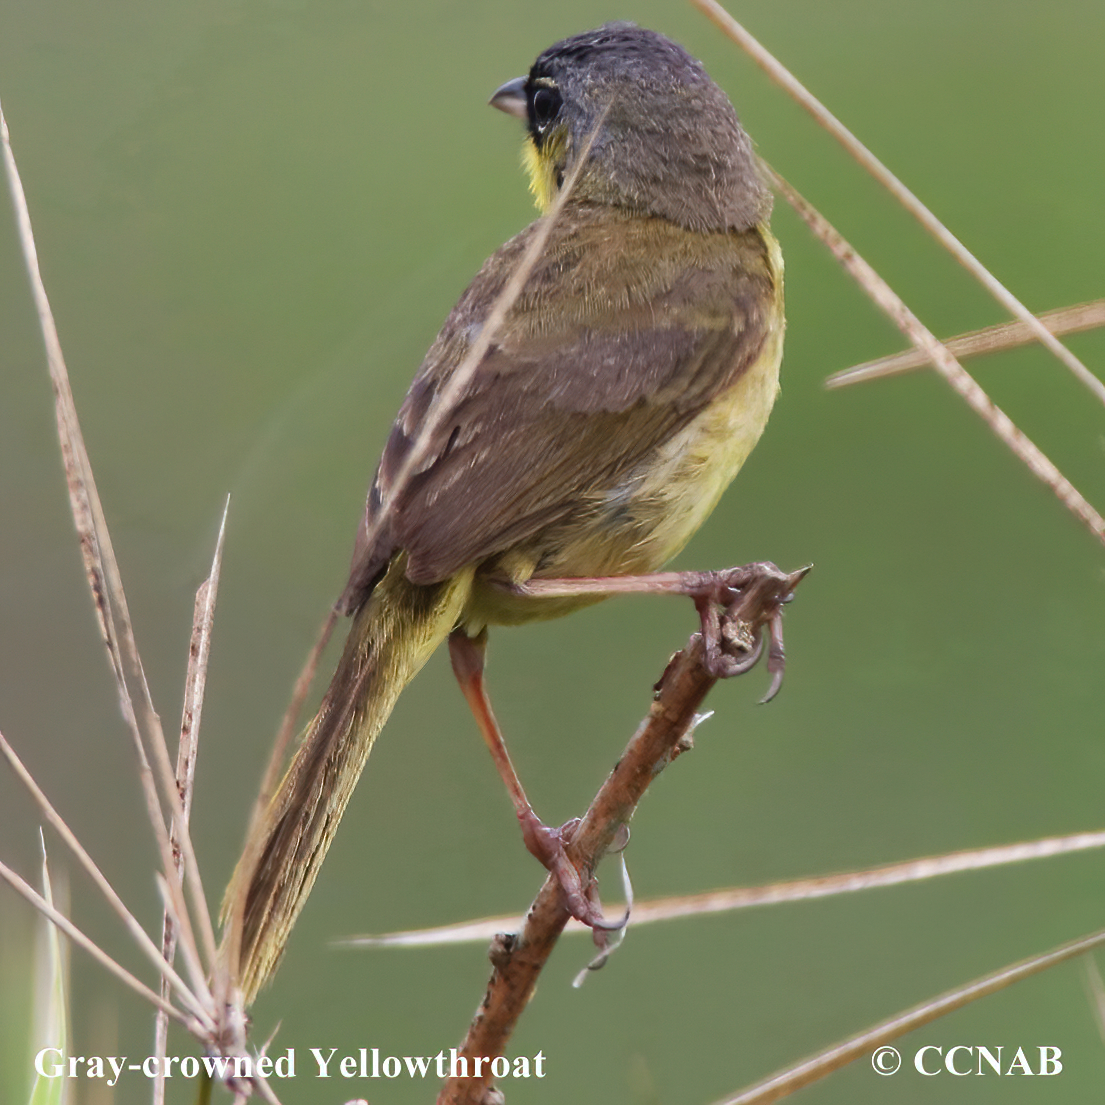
point(732, 645)
point(545, 843)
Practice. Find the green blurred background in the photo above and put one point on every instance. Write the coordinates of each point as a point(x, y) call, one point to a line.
point(252, 218)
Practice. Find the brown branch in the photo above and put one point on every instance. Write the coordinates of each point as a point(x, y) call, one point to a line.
point(517, 960)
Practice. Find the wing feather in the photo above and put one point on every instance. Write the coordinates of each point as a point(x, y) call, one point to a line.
point(625, 332)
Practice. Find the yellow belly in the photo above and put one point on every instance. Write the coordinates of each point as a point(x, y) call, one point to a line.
point(669, 500)
point(694, 469)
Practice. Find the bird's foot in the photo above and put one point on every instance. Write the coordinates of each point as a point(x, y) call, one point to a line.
point(548, 845)
point(735, 606)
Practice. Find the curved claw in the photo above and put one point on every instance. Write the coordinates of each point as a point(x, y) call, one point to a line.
point(776, 656)
point(621, 839)
point(548, 845)
point(598, 922)
point(734, 607)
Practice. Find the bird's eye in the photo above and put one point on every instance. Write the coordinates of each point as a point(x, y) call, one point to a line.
point(546, 103)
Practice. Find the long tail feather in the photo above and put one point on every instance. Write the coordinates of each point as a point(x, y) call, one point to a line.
point(392, 636)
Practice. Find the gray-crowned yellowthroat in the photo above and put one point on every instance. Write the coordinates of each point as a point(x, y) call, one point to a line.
point(625, 388)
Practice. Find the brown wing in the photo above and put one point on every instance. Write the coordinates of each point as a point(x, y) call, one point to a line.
point(625, 331)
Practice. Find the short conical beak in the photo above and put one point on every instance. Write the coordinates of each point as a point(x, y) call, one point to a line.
point(511, 98)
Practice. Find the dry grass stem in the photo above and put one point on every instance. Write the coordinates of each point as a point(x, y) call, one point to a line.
point(856, 1047)
point(97, 554)
point(130, 922)
point(883, 296)
point(786, 80)
point(741, 897)
point(518, 960)
point(191, 959)
point(993, 339)
point(220, 1027)
point(197, 1026)
point(195, 684)
point(1095, 988)
point(105, 582)
point(192, 878)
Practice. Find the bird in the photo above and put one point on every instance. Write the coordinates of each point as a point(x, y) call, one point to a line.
point(622, 391)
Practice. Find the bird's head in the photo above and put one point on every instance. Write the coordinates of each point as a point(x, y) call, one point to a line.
point(661, 137)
